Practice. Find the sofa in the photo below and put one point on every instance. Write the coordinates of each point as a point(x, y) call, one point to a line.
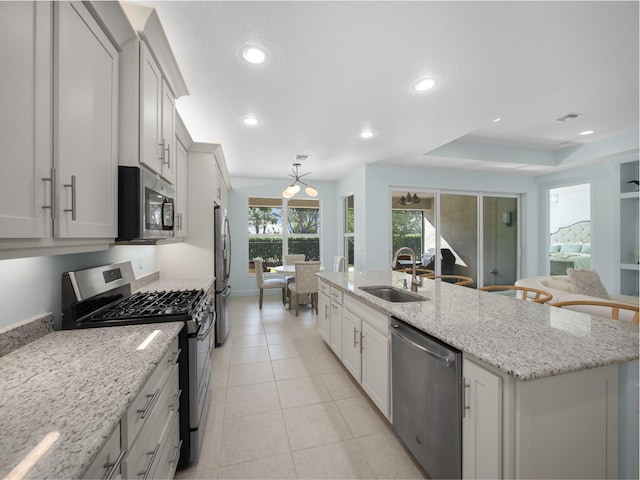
point(563, 290)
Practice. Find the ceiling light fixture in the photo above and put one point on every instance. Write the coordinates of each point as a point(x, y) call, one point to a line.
point(294, 188)
point(254, 55)
point(410, 199)
point(367, 134)
point(587, 132)
point(251, 121)
point(425, 84)
point(497, 120)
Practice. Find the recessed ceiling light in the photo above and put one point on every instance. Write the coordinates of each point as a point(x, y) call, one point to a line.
point(254, 55)
point(251, 121)
point(425, 84)
point(587, 132)
point(497, 120)
point(367, 134)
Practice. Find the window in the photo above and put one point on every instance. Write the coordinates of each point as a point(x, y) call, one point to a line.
point(270, 239)
point(349, 232)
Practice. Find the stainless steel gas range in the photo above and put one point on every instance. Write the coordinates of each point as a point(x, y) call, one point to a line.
point(102, 297)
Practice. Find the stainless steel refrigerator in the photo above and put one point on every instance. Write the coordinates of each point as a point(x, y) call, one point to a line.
point(222, 239)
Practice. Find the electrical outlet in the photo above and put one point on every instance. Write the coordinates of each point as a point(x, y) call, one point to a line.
point(140, 262)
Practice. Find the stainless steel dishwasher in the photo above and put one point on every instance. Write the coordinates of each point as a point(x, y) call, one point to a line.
point(427, 399)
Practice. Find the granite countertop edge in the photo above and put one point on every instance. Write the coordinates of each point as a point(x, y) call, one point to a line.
point(527, 341)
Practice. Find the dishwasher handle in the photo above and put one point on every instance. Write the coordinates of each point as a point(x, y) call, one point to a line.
point(447, 360)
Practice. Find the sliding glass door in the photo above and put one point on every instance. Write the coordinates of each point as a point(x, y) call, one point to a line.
point(499, 240)
point(470, 234)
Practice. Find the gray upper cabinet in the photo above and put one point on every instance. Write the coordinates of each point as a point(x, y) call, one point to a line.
point(25, 132)
point(85, 125)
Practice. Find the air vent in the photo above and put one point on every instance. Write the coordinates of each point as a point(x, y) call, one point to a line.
point(302, 158)
point(567, 117)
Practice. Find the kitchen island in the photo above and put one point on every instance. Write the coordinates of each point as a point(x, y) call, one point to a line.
point(546, 379)
point(73, 387)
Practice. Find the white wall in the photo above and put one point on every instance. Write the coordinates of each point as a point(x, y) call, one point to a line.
point(242, 283)
point(31, 286)
point(573, 205)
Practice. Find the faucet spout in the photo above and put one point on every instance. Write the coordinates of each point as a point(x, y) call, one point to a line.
point(415, 283)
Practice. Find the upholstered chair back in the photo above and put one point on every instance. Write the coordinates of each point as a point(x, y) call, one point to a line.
point(338, 263)
point(292, 259)
point(306, 280)
point(259, 273)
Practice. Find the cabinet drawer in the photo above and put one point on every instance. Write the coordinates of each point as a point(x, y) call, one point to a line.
point(107, 462)
point(324, 287)
point(168, 461)
point(144, 455)
point(140, 410)
point(373, 317)
point(336, 295)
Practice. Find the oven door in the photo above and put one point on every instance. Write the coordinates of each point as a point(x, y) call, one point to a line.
point(199, 379)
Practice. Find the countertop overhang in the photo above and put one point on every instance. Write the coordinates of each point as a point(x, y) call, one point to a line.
point(524, 339)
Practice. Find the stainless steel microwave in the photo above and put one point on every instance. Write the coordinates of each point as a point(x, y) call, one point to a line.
point(145, 205)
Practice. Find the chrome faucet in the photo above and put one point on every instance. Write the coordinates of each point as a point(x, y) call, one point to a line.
point(415, 283)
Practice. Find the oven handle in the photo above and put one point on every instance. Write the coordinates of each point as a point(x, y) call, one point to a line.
point(226, 292)
point(203, 335)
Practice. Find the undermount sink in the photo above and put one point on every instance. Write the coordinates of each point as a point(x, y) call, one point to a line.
point(392, 294)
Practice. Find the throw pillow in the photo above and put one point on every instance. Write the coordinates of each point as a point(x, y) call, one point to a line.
point(588, 282)
point(559, 283)
point(586, 248)
point(555, 247)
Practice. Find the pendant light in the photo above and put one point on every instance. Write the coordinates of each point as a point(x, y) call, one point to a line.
point(294, 188)
point(409, 199)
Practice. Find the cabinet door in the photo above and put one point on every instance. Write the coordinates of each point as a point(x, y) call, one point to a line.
point(351, 338)
point(151, 148)
point(375, 367)
point(85, 125)
point(181, 190)
point(324, 317)
point(482, 423)
point(25, 125)
point(168, 134)
point(336, 328)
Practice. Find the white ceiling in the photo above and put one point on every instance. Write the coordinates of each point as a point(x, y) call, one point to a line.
point(336, 68)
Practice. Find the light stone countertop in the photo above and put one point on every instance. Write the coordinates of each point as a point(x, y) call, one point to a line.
point(75, 382)
point(524, 339)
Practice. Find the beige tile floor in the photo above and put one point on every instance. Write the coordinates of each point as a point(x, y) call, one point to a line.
point(283, 407)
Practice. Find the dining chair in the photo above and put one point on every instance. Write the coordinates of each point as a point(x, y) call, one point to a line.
point(268, 283)
point(306, 282)
point(291, 260)
point(534, 295)
point(613, 310)
point(338, 263)
point(455, 279)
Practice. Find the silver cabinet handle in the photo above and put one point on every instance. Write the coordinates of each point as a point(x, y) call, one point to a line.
point(52, 180)
point(464, 397)
point(153, 454)
point(176, 401)
point(355, 342)
point(326, 311)
point(162, 149)
point(113, 467)
point(152, 398)
point(73, 209)
point(167, 149)
point(176, 456)
point(361, 341)
point(175, 359)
